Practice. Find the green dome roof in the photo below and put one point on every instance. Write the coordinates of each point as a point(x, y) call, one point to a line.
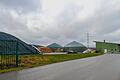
point(22, 46)
point(54, 45)
point(74, 44)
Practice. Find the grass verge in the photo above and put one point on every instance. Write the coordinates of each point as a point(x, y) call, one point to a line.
point(30, 61)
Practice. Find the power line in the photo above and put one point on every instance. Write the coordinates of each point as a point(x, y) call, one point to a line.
point(89, 38)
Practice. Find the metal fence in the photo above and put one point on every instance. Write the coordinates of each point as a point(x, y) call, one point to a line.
point(8, 54)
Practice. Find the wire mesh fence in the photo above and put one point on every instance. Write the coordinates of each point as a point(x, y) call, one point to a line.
point(8, 54)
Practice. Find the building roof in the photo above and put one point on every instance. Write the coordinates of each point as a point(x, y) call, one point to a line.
point(22, 46)
point(54, 45)
point(74, 44)
point(107, 42)
point(36, 45)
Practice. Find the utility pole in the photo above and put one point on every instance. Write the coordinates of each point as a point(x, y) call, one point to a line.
point(88, 40)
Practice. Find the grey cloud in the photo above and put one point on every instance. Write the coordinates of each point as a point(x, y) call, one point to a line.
point(66, 23)
point(104, 21)
point(16, 27)
point(21, 5)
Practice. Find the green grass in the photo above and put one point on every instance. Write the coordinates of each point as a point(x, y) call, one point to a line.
point(29, 61)
point(8, 70)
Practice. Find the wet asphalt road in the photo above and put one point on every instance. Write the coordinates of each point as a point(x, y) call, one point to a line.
point(105, 67)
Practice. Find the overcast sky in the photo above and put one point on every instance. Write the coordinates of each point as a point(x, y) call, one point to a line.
point(61, 21)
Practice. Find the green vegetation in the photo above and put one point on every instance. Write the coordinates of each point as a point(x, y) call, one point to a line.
point(29, 61)
point(8, 70)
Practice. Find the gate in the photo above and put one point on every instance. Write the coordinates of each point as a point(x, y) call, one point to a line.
point(8, 54)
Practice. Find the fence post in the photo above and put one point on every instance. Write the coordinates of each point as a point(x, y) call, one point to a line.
point(17, 55)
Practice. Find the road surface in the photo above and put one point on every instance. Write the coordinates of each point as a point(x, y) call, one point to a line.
point(105, 67)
